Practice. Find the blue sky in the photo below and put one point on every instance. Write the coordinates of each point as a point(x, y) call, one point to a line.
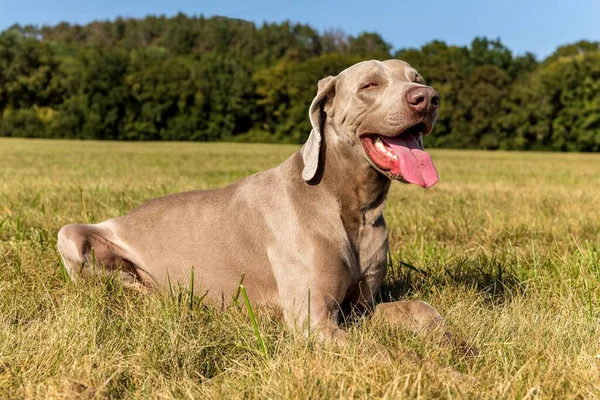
point(535, 25)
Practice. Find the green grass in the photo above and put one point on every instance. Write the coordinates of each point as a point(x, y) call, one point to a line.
point(506, 247)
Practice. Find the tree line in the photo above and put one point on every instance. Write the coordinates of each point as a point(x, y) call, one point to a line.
point(197, 78)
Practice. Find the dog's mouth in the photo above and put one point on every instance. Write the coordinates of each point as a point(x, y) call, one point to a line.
point(401, 156)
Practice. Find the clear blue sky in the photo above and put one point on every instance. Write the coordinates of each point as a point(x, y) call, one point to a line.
point(523, 25)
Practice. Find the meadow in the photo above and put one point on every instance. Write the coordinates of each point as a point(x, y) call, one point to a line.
point(506, 246)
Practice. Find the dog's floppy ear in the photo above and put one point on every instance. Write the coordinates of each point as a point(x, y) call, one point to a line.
point(312, 147)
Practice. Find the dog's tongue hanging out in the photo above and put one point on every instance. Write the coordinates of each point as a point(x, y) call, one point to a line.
point(403, 156)
point(414, 164)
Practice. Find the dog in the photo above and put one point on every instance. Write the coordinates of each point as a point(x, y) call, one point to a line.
point(312, 225)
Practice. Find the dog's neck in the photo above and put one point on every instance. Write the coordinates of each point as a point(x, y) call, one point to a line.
point(360, 189)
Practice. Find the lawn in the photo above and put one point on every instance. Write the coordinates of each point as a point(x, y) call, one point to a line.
point(506, 246)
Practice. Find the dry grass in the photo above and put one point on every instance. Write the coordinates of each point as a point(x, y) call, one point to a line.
point(506, 246)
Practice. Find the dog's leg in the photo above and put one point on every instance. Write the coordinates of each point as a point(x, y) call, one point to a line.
point(416, 316)
point(317, 316)
point(420, 318)
point(323, 324)
point(88, 250)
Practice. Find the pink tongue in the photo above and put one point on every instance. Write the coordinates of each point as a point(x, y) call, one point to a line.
point(416, 166)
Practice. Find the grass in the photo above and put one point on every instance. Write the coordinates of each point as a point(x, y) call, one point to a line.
point(506, 247)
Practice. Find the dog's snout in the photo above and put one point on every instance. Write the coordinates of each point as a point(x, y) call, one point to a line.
point(423, 99)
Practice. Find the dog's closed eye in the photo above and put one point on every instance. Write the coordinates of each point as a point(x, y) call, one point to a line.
point(370, 86)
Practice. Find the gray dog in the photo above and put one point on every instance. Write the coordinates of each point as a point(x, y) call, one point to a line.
point(313, 223)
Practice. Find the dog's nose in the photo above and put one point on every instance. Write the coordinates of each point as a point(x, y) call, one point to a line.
point(423, 99)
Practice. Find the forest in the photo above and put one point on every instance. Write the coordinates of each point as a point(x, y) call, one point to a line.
point(220, 79)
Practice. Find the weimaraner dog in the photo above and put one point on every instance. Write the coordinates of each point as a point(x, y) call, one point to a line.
point(313, 224)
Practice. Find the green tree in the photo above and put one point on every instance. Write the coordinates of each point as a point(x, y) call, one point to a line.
point(166, 102)
point(226, 82)
point(369, 45)
point(95, 98)
point(197, 78)
point(27, 83)
point(287, 89)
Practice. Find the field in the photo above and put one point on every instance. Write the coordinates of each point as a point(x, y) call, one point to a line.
point(506, 247)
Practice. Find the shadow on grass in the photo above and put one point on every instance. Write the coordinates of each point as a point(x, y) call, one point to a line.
point(489, 275)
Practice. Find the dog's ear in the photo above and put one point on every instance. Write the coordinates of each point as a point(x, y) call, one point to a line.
point(312, 147)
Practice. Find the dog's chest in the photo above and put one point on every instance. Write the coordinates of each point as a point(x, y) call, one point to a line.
point(368, 242)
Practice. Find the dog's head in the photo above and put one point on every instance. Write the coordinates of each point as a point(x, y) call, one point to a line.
point(382, 110)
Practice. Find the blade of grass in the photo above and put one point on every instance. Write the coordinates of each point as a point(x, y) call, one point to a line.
point(261, 343)
point(85, 214)
point(191, 302)
point(63, 270)
point(170, 286)
point(237, 292)
point(308, 318)
point(93, 261)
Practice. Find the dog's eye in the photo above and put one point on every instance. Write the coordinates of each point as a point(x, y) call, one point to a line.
point(370, 86)
point(419, 79)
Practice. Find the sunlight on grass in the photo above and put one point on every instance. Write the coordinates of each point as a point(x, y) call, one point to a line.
point(506, 247)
